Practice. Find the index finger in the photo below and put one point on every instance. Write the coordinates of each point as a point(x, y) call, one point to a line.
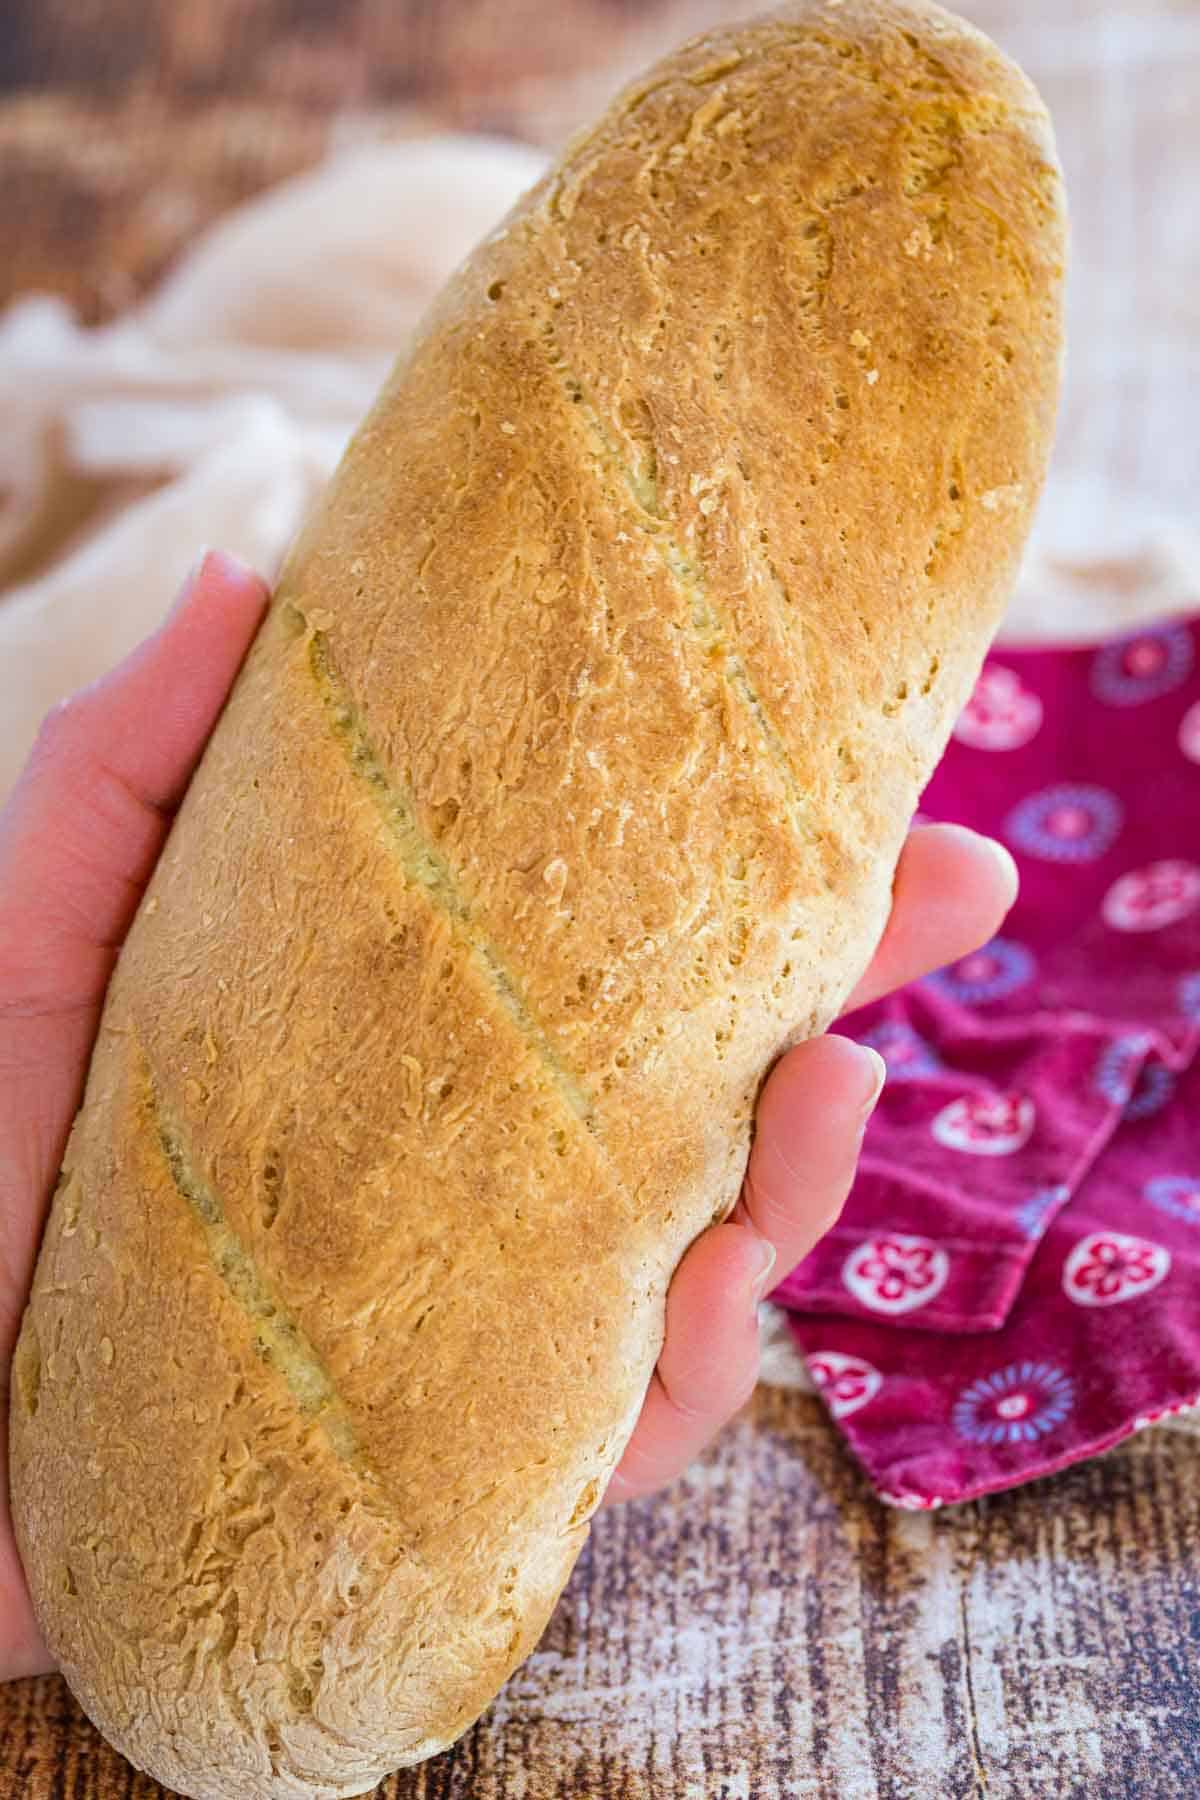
point(79, 837)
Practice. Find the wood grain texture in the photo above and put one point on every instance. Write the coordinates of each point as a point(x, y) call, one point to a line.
point(769, 1629)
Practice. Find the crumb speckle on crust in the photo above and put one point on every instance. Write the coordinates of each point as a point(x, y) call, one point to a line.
point(562, 790)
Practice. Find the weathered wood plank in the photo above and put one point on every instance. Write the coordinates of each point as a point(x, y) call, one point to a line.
point(769, 1629)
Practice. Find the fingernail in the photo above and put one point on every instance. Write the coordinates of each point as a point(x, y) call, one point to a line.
point(990, 848)
point(874, 1074)
point(225, 563)
point(215, 562)
point(188, 586)
point(762, 1280)
point(1003, 858)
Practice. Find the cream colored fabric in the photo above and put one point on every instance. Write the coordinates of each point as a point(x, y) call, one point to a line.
point(212, 414)
point(1118, 537)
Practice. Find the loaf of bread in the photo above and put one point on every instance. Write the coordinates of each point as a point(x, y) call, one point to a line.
point(562, 789)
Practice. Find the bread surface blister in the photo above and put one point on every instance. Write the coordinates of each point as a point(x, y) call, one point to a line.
point(562, 789)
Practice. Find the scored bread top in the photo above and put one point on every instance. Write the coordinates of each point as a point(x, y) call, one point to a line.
point(562, 789)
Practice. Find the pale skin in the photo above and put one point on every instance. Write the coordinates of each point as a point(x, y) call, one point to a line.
point(79, 838)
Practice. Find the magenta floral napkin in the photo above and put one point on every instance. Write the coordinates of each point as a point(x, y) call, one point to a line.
point(1015, 1281)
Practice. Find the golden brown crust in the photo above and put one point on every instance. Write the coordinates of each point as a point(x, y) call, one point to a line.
point(563, 787)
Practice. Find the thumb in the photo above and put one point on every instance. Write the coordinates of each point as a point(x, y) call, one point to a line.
point(79, 837)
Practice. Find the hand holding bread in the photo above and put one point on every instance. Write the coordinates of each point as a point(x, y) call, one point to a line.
point(561, 792)
point(135, 738)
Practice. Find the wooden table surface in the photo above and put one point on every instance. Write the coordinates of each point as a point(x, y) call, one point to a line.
point(767, 1628)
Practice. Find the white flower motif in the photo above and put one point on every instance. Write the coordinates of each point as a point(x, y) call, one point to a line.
point(1002, 713)
point(1107, 1267)
point(1149, 899)
point(985, 1124)
point(894, 1272)
point(845, 1382)
point(1189, 733)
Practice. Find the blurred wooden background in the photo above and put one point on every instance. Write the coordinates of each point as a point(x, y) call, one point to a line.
point(126, 125)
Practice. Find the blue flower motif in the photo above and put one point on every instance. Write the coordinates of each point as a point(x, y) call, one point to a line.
point(1030, 1217)
point(999, 968)
point(907, 1055)
point(1071, 823)
point(1176, 1195)
point(1143, 666)
point(1140, 1086)
point(1119, 1066)
point(1015, 1405)
point(1189, 996)
point(1155, 1085)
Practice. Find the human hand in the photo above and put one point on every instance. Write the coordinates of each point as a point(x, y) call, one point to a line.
point(951, 891)
point(78, 840)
